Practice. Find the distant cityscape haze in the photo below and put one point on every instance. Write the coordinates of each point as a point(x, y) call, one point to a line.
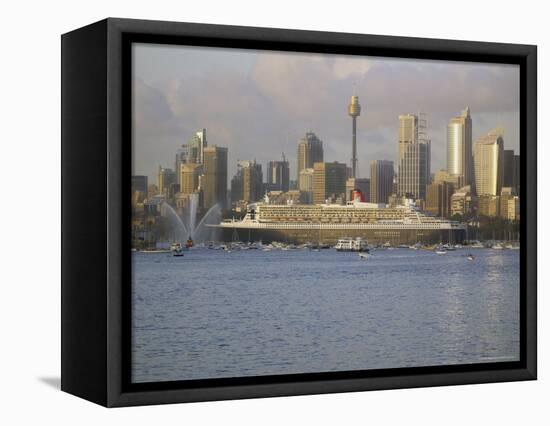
point(259, 104)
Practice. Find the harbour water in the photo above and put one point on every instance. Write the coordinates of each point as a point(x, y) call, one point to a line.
point(214, 314)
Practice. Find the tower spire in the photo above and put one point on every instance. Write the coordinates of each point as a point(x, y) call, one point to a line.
point(354, 110)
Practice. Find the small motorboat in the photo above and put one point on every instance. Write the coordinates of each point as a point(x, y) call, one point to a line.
point(471, 257)
point(177, 250)
point(440, 252)
point(363, 256)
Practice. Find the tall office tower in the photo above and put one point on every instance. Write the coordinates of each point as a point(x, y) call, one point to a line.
point(247, 184)
point(165, 178)
point(329, 181)
point(508, 168)
point(488, 153)
point(354, 111)
point(236, 188)
point(195, 147)
point(459, 147)
point(361, 184)
point(305, 185)
point(278, 175)
point(310, 151)
point(214, 180)
point(413, 167)
point(381, 181)
point(516, 174)
point(182, 154)
point(438, 198)
point(190, 177)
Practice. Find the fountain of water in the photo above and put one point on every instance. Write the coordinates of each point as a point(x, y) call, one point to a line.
point(180, 230)
point(183, 230)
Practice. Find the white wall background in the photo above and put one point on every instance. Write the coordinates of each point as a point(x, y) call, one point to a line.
point(30, 212)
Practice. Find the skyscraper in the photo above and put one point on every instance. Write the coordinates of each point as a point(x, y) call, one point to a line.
point(190, 177)
point(182, 154)
point(459, 147)
point(488, 153)
point(247, 184)
point(381, 180)
point(305, 184)
point(214, 180)
point(196, 146)
point(310, 151)
point(438, 198)
point(165, 178)
point(329, 181)
point(413, 167)
point(278, 176)
point(354, 110)
point(508, 168)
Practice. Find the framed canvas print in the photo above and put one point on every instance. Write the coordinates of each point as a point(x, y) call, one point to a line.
point(252, 212)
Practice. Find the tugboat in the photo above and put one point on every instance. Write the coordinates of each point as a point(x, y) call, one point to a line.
point(189, 242)
point(177, 250)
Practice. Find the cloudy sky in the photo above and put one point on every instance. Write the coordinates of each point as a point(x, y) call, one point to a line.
point(259, 103)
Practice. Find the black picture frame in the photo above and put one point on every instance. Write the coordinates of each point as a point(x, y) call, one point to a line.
point(95, 290)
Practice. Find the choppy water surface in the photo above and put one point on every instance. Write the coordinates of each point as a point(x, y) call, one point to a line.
point(214, 314)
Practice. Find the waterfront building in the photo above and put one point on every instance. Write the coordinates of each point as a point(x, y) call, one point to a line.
point(506, 194)
point(278, 176)
point(459, 147)
point(214, 180)
point(354, 110)
point(488, 152)
point(438, 198)
point(462, 201)
point(513, 208)
point(358, 184)
point(329, 181)
point(381, 180)
point(190, 177)
point(488, 205)
point(310, 151)
point(165, 178)
point(414, 157)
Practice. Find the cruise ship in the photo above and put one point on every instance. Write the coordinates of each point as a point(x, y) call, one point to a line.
point(327, 223)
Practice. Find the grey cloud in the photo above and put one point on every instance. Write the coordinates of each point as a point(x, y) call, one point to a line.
point(262, 109)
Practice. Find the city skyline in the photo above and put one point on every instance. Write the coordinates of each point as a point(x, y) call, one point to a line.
point(170, 111)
